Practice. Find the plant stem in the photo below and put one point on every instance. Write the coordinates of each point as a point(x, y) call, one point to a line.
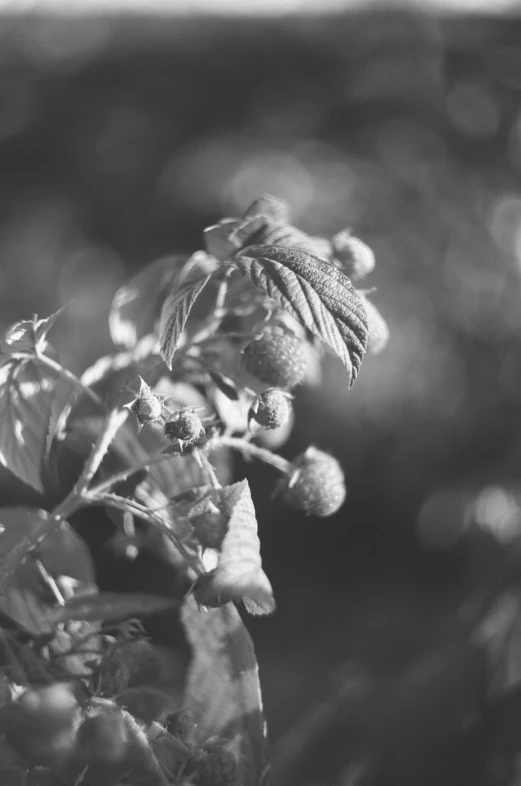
point(208, 470)
point(114, 422)
point(254, 451)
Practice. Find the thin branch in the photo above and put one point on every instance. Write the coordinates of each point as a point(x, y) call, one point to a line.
point(114, 422)
point(250, 451)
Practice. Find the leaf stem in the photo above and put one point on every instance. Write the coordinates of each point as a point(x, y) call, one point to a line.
point(250, 451)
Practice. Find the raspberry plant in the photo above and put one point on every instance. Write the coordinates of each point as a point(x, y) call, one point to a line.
point(210, 345)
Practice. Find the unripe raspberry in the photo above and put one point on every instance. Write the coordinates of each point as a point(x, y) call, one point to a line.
point(147, 408)
point(216, 766)
point(315, 484)
point(356, 257)
point(277, 358)
point(185, 426)
point(271, 409)
point(378, 330)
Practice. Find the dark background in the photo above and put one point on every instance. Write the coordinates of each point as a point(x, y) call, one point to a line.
point(121, 139)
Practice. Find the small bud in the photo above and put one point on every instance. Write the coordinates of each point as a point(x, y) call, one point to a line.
point(185, 426)
point(277, 358)
point(271, 409)
point(315, 484)
point(356, 258)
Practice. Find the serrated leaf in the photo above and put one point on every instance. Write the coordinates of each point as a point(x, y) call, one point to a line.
point(316, 293)
point(175, 312)
point(136, 305)
point(239, 574)
point(26, 397)
point(113, 607)
point(222, 694)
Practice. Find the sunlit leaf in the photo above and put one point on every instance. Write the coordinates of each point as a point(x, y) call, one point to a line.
point(137, 305)
point(239, 574)
point(222, 693)
point(26, 396)
point(176, 310)
point(30, 335)
point(316, 293)
point(113, 607)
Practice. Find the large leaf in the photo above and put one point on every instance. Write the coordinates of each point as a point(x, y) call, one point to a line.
point(26, 397)
point(239, 574)
point(222, 693)
point(316, 293)
point(175, 312)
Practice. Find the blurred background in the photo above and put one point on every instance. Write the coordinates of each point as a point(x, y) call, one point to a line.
point(123, 136)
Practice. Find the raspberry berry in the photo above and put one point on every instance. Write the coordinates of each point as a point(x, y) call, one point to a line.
point(277, 358)
point(272, 409)
point(147, 408)
point(315, 484)
point(356, 257)
point(185, 426)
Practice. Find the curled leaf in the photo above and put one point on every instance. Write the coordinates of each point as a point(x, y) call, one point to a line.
point(175, 312)
point(275, 209)
point(316, 293)
point(239, 574)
